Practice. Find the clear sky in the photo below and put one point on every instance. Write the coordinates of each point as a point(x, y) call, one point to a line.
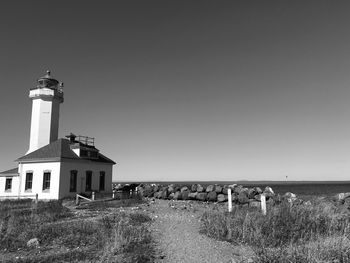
point(187, 90)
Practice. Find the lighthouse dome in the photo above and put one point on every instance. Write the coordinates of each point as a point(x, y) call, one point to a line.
point(47, 81)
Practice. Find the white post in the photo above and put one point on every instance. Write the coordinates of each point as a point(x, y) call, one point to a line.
point(229, 200)
point(263, 204)
point(93, 196)
point(113, 195)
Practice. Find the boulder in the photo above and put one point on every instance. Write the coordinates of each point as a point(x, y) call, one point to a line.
point(192, 196)
point(185, 194)
point(221, 198)
point(212, 196)
point(268, 190)
point(342, 196)
point(200, 188)
point(201, 196)
point(171, 196)
point(210, 188)
point(171, 189)
point(177, 195)
point(156, 188)
point(157, 194)
point(243, 198)
point(258, 197)
point(238, 189)
point(194, 188)
point(164, 194)
point(225, 189)
point(183, 189)
point(218, 189)
point(232, 186)
point(148, 191)
point(33, 243)
point(258, 190)
point(251, 193)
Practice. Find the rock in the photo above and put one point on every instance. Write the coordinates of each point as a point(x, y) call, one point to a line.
point(183, 189)
point(34, 242)
point(148, 191)
point(200, 188)
point(212, 196)
point(201, 196)
point(157, 194)
point(221, 198)
point(177, 195)
point(290, 197)
point(192, 196)
point(194, 188)
point(258, 197)
point(171, 189)
point(210, 188)
point(342, 196)
point(251, 193)
point(243, 198)
point(171, 196)
point(218, 189)
point(225, 190)
point(164, 194)
point(232, 186)
point(185, 194)
point(239, 189)
point(156, 188)
point(258, 190)
point(268, 190)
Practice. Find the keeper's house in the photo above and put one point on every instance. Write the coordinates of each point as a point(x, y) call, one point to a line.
point(55, 168)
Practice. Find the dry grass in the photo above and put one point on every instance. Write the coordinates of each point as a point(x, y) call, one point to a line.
point(303, 233)
point(118, 237)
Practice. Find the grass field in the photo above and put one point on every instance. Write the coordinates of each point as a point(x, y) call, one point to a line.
point(301, 234)
point(104, 235)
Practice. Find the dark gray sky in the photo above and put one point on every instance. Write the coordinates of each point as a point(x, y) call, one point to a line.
point(187, 90)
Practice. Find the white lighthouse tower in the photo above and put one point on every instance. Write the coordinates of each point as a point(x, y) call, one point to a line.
point(46, 99)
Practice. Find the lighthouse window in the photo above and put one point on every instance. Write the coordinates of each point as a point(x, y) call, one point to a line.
point(29, 181)
point(73, 181)
point(88, 181)
point(46, 180)
point(8, 184)
point(102, 180)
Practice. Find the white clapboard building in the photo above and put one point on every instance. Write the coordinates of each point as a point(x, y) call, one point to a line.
point(55, 168)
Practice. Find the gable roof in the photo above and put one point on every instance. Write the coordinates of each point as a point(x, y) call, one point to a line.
point(11, 172)
point(58, 150)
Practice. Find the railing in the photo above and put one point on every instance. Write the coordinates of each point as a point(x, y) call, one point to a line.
point(77, 200)
point(86, 140)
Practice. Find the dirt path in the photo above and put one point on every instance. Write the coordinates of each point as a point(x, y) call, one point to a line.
point(176, 229)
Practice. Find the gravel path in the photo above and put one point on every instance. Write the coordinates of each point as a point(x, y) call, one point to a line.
point(176, 229)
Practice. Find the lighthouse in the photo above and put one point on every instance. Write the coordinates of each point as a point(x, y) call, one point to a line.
point(46, 99)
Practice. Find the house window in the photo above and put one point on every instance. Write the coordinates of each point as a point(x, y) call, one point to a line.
point(102, 180)
point(8, 184)
point(88, 181)
point(29, 181)
point(46, 180)
point(73, 181)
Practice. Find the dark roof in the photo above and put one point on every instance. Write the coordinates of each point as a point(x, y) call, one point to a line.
point(13, 171)
point(58, 150)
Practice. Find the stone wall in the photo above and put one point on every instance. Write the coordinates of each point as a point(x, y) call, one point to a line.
point(211, 193)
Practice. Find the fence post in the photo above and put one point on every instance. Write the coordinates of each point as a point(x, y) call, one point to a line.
point(229, 200)
point(93, 196)
point(36, 198)
point(76, 199)
point(263, 204)
point(113, 195)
